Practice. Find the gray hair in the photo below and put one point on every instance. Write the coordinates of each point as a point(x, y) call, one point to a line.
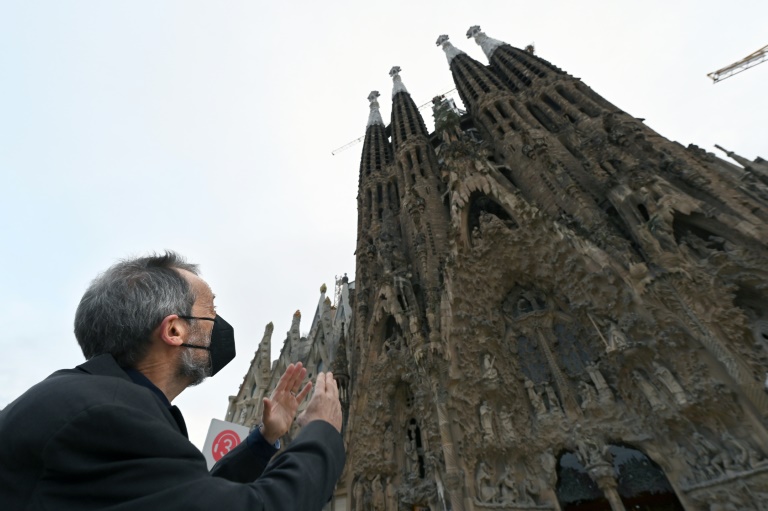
point(123, 305)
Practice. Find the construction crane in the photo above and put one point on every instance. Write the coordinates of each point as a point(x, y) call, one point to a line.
point(752, 60)
point(360, 139)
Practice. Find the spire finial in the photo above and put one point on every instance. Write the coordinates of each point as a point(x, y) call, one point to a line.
point(375, 116)
point(451, 51)
point(488, 44)
point(397, 85)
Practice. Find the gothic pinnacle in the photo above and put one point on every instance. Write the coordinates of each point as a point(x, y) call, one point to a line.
point(397, 83)
point(488, 44)
point(450, 50)
point(375, 116)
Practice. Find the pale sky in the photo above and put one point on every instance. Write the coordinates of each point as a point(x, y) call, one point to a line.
point(207, 127)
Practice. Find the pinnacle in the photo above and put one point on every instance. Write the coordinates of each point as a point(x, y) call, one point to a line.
point(397, 85)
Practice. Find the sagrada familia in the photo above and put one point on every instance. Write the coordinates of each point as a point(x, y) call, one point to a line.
point(554, 307)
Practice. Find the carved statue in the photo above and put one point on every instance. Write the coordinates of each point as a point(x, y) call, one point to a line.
point(617, 340)
point(508, 486)
point(358, 493)
point(489, 372)
point(411, 450)
point(390, 493)
point(588, 395)
point(709, 457)
point(507, 428)
point(486, 421)
point(603, 391)
point(554, 402)
point(648, 390)
point(743, 455)
point(377, 492)
point(549, 466)
point(530, 492)
point(533, 396)
point(486, 490)
point(669, 381)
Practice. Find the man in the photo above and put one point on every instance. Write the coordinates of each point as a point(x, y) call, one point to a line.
point(105, 435)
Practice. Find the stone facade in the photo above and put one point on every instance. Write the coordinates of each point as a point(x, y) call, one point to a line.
point(556, 307)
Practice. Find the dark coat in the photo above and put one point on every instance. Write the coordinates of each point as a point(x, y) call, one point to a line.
point(90, 438)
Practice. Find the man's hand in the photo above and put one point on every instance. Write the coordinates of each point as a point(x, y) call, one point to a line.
point(325, 404)
point(280, 408)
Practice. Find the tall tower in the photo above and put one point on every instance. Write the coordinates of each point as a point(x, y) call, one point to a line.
point(557, 308)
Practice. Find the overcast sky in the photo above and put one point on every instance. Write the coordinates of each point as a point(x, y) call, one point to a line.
point(207, 127)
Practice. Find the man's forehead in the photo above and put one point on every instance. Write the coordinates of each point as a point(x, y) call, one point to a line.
point(200, 286)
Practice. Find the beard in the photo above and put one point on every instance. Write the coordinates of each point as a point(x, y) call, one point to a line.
point(195, 364)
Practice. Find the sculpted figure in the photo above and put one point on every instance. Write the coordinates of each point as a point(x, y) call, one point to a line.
point(489, 372)
point(508, 487)
point(486, 491)
point(507, 428)
point(533, 396)
point(669, 381)
point(617, 341)
point(648, 391)
point(554, 402)
point(530, 492)
point(708, 455)
point(411, 450)
point(549, 465)
point(358, 492)
point(391, 500)
point(486, 421)
point(603, 391)
point(378, 494)
point(588, 395)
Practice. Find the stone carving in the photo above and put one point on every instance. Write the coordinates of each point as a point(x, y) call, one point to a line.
point(549, 466)
point(553, 401)
point(603, 391)
point(508, 491)
point(535, 398)
point(412, 451)
point(377, 492)
point(617, 340)
point(530, 494)
point(490, 374)
point(507, 428)
point(648, 390)
point(588, 395)
point(743, 455)
point(390, 495)
point(665, 376)
point(359, 494)
point(486, 490)
point(486, 421)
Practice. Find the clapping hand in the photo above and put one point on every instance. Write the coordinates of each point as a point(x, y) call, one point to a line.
point(280, 408)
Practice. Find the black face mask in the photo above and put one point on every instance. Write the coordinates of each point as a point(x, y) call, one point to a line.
point(222, 347)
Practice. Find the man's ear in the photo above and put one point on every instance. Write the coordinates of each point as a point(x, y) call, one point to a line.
point(172, 330)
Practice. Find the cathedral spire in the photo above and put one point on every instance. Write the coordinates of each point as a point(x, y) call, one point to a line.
point(451, 52)
point(397, 82)
point(406, 119)
point(375, 116)
point(488, 44)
